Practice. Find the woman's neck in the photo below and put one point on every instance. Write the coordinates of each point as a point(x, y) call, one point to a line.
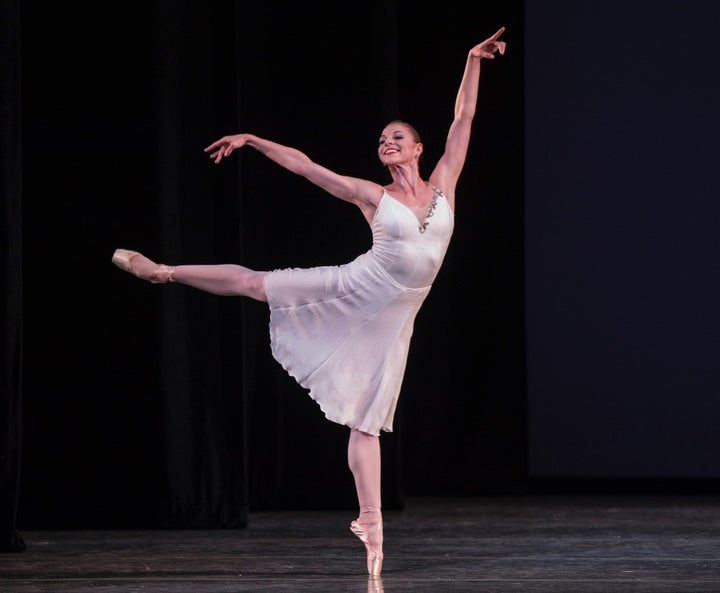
point(407, 179)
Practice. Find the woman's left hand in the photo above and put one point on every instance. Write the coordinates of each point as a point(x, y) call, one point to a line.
point(490, 46)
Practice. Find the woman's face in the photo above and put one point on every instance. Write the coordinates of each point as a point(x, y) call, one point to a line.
point(397, 145)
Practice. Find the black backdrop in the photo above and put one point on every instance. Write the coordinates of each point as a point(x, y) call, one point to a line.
point(161, 406)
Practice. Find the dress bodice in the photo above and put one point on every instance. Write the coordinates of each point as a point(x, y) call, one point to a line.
point(410, 251)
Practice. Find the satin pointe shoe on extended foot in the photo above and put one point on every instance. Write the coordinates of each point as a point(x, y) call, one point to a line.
point(122, 258)
point(138, 265)
point(367, 532)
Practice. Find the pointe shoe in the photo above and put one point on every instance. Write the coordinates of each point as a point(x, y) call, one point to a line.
point(123, 259)
point(374, 558)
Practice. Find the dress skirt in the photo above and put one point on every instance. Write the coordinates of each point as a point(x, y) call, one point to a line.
point(343, 332)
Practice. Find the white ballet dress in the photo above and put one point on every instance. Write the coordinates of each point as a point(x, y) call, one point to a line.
point(343, 332)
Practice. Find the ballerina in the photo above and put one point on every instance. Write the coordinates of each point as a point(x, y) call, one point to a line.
point(343, 332)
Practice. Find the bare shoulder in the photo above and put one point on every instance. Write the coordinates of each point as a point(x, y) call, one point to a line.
point(363, 193)
point(446, 186)
point(368, 197)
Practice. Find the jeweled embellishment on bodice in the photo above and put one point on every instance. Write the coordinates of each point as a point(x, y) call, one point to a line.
point(431, 210)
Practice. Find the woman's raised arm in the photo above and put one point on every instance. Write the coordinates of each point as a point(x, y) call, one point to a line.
point(447, 171)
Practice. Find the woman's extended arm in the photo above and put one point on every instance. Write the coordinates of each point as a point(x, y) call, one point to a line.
point(447, 171)
point(351, 189)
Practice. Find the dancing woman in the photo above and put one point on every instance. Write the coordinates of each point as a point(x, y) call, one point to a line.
point(343, 332)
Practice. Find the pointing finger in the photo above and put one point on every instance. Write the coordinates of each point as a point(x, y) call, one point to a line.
point(497, 34)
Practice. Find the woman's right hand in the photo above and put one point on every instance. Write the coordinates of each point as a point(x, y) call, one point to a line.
point(225, 146)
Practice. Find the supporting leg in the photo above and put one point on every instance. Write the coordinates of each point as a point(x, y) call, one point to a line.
point(364, 462)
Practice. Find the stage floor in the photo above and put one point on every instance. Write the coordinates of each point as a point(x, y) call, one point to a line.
point(583, 544)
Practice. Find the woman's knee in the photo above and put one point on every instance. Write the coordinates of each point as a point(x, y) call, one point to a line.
point(258, 286)
point(249, 282)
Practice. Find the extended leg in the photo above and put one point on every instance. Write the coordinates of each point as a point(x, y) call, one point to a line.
point(364, 462)
point(221, 279)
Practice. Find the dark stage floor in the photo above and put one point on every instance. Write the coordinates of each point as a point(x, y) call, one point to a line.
point(583, 544)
